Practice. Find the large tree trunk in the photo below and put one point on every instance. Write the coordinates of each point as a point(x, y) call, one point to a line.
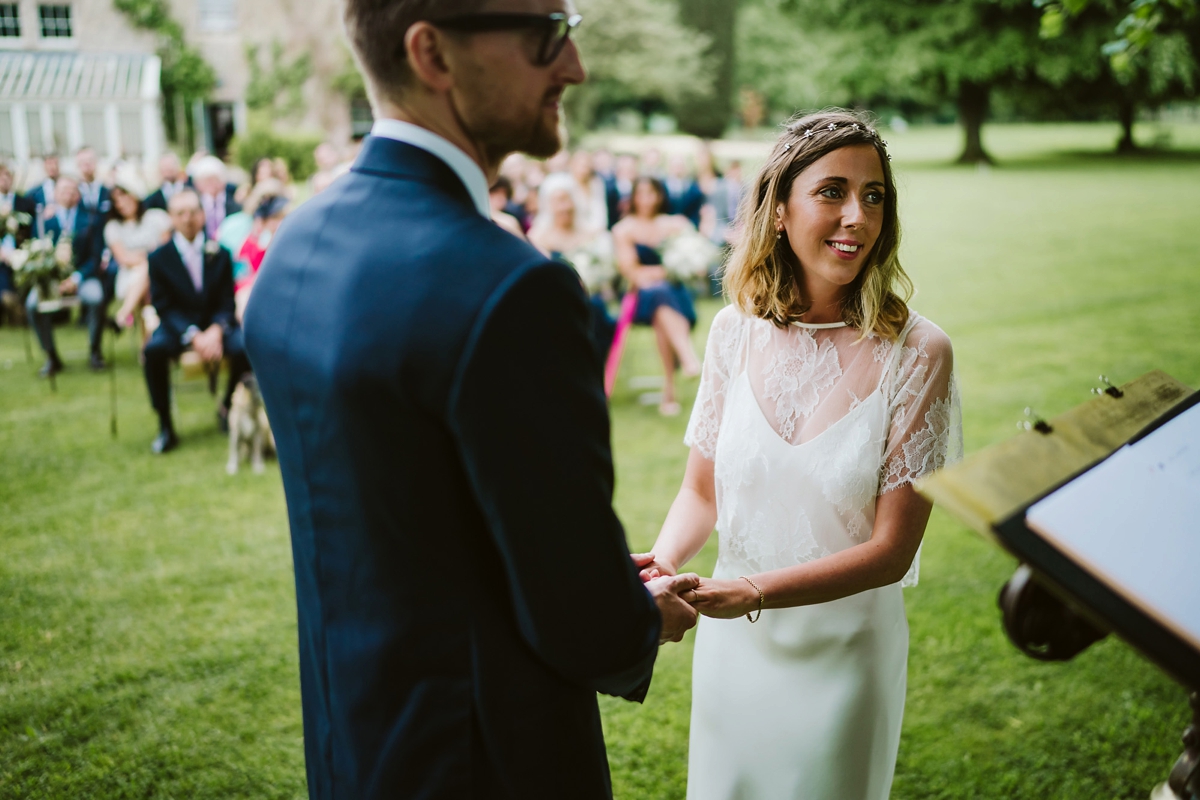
point(972, 111)
point(709, 116)
point(1126, 114)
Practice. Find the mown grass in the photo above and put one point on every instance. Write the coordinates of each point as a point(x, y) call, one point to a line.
point(147, 643)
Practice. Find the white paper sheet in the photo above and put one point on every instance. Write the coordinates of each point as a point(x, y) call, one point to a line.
point(1134, 522)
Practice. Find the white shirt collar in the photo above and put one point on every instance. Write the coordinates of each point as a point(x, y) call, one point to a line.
point(194, 246)
point(467, 170)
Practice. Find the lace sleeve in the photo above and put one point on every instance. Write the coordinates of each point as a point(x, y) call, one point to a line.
point(926, 428)
point(720, 360)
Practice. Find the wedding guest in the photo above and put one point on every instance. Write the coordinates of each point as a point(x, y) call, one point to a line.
point(684, 195)
point(824, 397)
point(591, 197)
point(325, 155)
point(268, 214)
point(42, 195)
point(621, 189)
point(557, 233)
point(170, 171)
point(90, 278)
point(191, 286)
point(662, 304)
point(281, 173)
point(652, 163)
point(500, 200)
point(237, 228)
point(133, 231)
point(11, 201)
point(216, 194)
point(263, 169)
point(94, 194)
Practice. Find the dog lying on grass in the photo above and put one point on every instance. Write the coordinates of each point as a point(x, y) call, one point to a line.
point(249, 428)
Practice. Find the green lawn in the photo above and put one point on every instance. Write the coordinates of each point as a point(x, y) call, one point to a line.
point(148, 641)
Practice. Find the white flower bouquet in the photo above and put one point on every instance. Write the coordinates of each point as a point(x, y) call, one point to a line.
point(11, 221)
point(689, 256)
point(42, 264)
point(594, 262)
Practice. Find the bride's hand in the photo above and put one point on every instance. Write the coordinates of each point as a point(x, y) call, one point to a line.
point(723, 599)
point(651, 568)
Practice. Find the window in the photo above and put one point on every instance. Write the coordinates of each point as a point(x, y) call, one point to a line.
point(56, 21)
point(217, 15)
point(10, 19)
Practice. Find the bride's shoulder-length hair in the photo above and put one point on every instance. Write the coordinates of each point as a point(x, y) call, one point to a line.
point(762, 273)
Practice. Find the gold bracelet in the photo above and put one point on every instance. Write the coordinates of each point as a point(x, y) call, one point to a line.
point(761, 599)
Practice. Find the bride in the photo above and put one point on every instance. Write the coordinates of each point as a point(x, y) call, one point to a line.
point(822, 398)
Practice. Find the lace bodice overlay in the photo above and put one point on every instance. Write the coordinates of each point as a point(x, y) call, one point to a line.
point(808, 427)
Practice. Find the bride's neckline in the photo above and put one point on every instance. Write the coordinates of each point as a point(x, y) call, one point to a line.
point(820, 326)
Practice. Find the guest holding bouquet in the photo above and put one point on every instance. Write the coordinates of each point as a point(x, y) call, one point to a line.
point(588, 250)
point(663, 304)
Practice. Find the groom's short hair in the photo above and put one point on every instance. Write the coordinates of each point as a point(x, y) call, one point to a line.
point(376, 31)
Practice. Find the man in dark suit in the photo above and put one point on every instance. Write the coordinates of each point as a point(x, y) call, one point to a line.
point(90, 279)
point(173, 181)
point(191, 286)
point(43, 194)
point(94, 195)
point(684, 195)
point(464, 587)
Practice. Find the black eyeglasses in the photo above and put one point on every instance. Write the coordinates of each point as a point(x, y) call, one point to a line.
point(556, 28)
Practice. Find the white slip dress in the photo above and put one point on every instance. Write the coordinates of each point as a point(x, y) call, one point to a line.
point(807, 703)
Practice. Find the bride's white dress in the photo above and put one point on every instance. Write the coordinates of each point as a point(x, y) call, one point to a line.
point(806, 428)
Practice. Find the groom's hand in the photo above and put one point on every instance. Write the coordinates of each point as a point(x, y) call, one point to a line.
point(677, 616)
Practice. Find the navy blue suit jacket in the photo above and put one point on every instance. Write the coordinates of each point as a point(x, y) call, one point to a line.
point(688, 202)
point(463, 585)
point(175, 298)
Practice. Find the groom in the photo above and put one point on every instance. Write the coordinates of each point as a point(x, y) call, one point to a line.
point(463, 586)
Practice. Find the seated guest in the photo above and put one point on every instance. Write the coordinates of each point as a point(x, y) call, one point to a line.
point(684, 195)
point(131, 233)
point(43, 194)
point(621, 188)
point(591, 194)
point(173, 181)
point(91, 280)
point(216, 194)
point(556, 233)
point(661, 303)
point(11, 201)
point(269, 214)
point(191, 286)
point(499, 199)
point(94, 195)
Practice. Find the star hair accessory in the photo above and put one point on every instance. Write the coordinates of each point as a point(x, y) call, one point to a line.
point(808, 133)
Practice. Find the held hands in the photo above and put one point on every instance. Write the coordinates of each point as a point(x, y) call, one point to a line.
point(720, 599)
point(677, 616)
point(208, 344)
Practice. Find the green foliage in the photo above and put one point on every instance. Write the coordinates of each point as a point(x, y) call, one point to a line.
point(262, 141)
point(1143, 24)
point(636, 52)
point(185, 73)
point(709, 114)
point(349, 81)
point(279, 86)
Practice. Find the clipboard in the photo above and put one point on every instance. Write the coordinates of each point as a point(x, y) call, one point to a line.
point(992, 490)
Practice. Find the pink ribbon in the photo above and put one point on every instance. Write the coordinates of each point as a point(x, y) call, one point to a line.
point(624, 323)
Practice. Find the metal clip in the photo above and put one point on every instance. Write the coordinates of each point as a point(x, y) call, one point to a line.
point(1111, 391)
point(1034, 423)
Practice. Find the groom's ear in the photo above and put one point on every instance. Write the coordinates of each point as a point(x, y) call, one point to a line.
point(426, 49)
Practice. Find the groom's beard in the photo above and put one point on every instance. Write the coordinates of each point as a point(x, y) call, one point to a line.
point(501, 131)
